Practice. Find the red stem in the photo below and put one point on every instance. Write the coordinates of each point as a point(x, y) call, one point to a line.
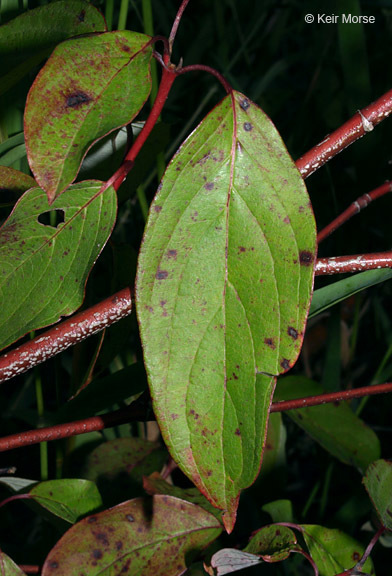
point(358, 263)
point(370, 547)
point(212, 71)
point(136, 412)
point(176, 23)
point(15, 497)
point(119, 305)
point(354, 208)
point(30, 568)
point(330, 397)
point(353, 129)
point(66, 334)
point(168, 76)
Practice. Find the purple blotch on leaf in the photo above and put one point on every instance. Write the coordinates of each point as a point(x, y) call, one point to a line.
point(81, 16)
point(248, 127)
point(77, 99)
point(161, 274)
point(285, 364)
point(244, 104)
point(269, 343)
point(97, 554)
point(305, 258)
point(209, 185)
point(292, 332)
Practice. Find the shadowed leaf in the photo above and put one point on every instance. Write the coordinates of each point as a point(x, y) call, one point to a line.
point(68, 499)
point(137, 537)
point(378, 483)
point(30, 37)
point(45, 260)
point(333, 551)
point(334, 426)
point(88, 87)
point(273, 543)
point(155, 484)
point(13, 181)
point(223, 287)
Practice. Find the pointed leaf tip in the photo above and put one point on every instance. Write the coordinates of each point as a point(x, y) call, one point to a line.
point(223, 289)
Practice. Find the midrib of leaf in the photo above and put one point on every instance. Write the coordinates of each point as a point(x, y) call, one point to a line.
point(226, 394)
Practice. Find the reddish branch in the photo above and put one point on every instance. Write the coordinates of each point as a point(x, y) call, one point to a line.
point(354, 208)
point(66, 334)
point(358, 263)
point(361, 123)
point(297, 403)
point(137, 411)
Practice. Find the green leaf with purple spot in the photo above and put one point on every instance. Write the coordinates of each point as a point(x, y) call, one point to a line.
point(141, 536)
point(223, 289)
point(378, 483)
point(44, 264)
point(89, 87)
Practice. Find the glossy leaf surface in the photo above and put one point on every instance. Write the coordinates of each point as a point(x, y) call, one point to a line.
point(136, 537)
point(378, 483)
point(88, 87)
point(30, 37)
point(69, 499)
point(334, 426)
point(333, 551)
point(224, 282)
point(44, 267)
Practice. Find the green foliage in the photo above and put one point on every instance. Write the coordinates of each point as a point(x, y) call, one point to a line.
point(44, 263)
point(224, 283)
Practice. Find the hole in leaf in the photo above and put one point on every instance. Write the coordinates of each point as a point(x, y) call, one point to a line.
point(52, 218)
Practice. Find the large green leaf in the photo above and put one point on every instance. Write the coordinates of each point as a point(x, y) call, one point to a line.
point(223, 288)
point(69, 499)
point(30, 37)
point(334, 426)
point(333, 551)
point(88, 87)
point(136, 537)
point(44, 268)
point(378, 483)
